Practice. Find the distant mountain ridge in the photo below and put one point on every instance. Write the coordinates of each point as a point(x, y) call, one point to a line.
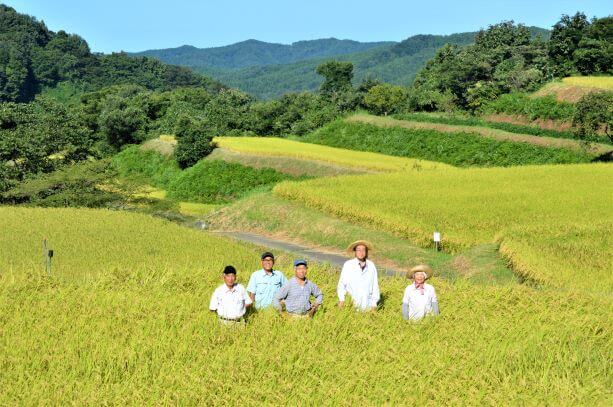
point(270, 70)
point(258, 53)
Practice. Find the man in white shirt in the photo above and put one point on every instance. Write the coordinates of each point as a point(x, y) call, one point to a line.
point(230, 300)
point(419, 298)
point(359, 278)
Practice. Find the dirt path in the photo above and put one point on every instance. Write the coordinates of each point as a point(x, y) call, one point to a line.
point(315, 255)
point(497, 134)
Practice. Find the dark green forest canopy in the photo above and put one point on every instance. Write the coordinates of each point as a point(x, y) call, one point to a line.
point(506, 58)
point(33, 57)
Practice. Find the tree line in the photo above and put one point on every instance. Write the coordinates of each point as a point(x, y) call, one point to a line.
point(126, 100)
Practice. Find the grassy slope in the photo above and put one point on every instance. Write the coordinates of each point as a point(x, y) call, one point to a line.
point(488, 132)
point(206, 182)
point(571, 89)
point(272, 146)
point(468, 120)
point(459, 149)
point(287, 165)
point(124, 321)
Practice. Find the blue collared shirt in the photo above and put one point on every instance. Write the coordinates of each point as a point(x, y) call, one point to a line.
point(298, 297)
point(265, 286)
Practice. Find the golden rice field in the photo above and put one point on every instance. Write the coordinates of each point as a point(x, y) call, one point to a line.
point(600, 82)
point(123, 320)
point(551, 220)
point(573, 88)
point(273, 146)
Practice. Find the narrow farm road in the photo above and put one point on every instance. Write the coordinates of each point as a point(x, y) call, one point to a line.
point(316, 255)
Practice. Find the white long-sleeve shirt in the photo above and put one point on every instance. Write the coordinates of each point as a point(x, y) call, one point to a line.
point(419, 305)
point(362, 285)
point(230, 303)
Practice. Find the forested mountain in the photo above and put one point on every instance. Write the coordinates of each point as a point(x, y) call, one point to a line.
point(32, 57)
point(258, 53)
point(391, 62)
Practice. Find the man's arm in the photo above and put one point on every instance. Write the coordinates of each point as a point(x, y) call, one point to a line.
point(319, 296)
point(376, 294)
point(405, 310)
point(248, 299)
point(341, 289)
point(251, 287)
point(284, 279)
point(319, 299)
point(280, 295)
point(435, 310)
point(214, 302)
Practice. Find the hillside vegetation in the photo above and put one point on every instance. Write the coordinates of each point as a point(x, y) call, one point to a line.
point(463, 149)
point(33, 58)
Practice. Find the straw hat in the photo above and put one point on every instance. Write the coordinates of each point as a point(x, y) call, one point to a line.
point(421, 267)
point(357, 243)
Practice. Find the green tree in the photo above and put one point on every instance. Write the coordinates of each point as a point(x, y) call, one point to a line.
point(565, 37)
point(194, 141)
point(385, 99)
point(39, 137)
point(228, 111)
point(594, 114)
point(504, 58)
point(121, 122)
point(580, 45)
point(337, 77)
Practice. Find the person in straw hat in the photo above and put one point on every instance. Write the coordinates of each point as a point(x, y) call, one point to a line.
point(419, 298)
point(359, 278)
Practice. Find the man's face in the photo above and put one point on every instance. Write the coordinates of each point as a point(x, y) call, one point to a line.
point(229, 279)
point(419, 277)
point(361, 252)
point(267, 263)
point(301, 271)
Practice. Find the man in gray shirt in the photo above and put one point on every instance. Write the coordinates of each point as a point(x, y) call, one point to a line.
point(297, 292)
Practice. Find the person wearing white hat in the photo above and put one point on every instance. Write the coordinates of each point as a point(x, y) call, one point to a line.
point(419, 298)
point(359, 278)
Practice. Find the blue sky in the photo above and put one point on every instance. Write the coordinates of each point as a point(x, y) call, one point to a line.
point(135, 25)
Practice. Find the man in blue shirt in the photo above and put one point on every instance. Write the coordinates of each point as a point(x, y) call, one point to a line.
point(297, 293)
point(264, 283)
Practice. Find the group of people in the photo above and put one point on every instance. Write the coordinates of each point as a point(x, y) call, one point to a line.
point(268, 288)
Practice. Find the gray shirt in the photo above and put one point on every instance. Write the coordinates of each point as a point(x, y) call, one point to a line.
point(297, 297)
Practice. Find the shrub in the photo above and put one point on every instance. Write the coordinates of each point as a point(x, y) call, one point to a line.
point(219, 181)
point(78, 185)
point(546, 107)
point(594, 113)
point(145, 165)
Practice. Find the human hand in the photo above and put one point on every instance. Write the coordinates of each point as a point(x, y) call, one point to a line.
point(313, 310)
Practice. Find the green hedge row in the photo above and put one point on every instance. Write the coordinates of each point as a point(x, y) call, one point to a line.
point(459, 149)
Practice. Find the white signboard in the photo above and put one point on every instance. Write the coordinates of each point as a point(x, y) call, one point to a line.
point(437, 237)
